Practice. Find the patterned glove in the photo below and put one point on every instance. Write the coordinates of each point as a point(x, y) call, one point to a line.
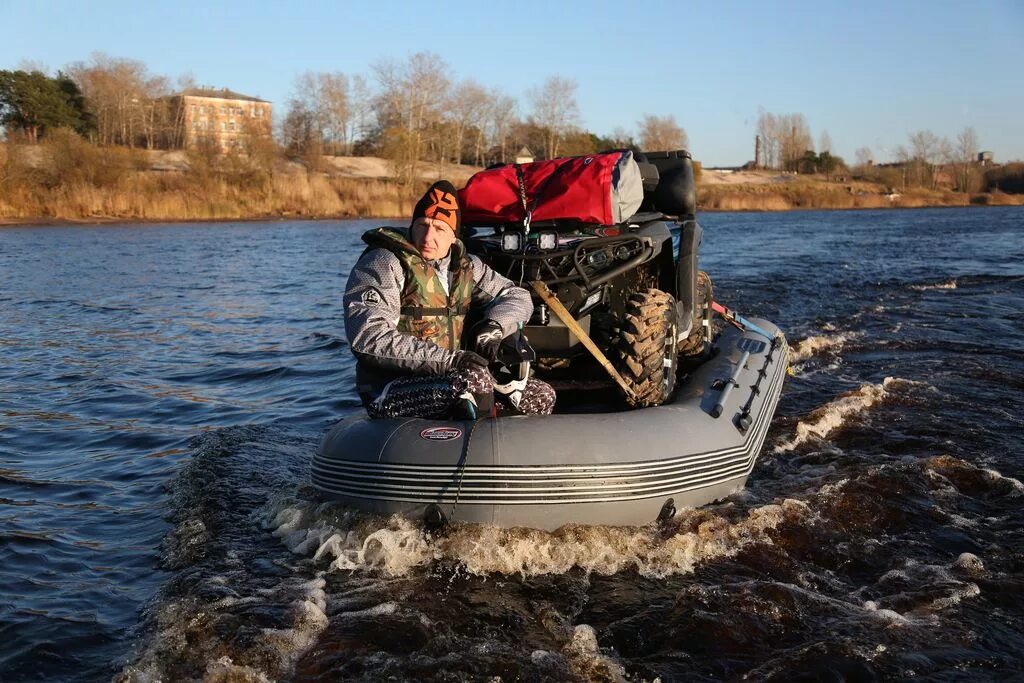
point(487, 336)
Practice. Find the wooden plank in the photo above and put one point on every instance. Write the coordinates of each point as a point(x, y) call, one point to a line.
point(566, 317)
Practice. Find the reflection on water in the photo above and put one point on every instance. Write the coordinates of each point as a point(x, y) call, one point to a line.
point(162, 389)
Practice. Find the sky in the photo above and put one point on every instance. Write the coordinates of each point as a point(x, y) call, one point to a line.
point(870, 72)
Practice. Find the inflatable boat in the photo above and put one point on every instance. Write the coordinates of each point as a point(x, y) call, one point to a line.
point(630, 467)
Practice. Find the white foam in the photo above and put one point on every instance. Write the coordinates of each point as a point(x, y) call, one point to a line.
point(948, 284)
point(186, 631)
point(891, 616)
point(969, 563)
point(969, 590)
point(396, 546)
point(588, 661)
point(835, 414)
point(224, 670)
point(805, 348)
point(994, 476)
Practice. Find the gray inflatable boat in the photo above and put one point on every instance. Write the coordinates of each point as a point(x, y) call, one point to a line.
point(615, 468)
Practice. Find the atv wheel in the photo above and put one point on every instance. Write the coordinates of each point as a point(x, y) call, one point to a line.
point(646, 348)
point(694, 344)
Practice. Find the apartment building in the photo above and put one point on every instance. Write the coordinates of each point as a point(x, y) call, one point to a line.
point(224, 118)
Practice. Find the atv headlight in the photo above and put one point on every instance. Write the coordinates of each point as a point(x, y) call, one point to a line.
point(547, 240)
point(598, 259)
point(511, 241)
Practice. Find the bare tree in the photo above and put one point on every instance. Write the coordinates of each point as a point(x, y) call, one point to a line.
point(966, 154)
point(622, 138)
point(467, 110)
point(864, 158)
point(555, 110)
point(769, 131)
point(409, 108)
point(124, 97)
point(794, 140)
point(502, 117)
point(360, 110)
point(333, 109)
point(321, 99)
point(927, 151)
point(824, 142)
point(661, 133)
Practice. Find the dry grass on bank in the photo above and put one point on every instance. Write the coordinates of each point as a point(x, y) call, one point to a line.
point(65, 178)
point(68, 179)
point(818, 194)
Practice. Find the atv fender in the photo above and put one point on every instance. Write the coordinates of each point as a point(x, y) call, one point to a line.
point(686, 274)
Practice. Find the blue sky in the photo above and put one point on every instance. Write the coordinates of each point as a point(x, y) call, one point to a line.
point(868, 72)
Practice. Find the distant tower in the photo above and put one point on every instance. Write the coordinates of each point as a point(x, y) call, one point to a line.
point(757, 151)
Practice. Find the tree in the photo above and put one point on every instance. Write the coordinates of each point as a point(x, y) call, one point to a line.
point(409, 109)
point(554, 110)
point(126, 100)
point(794, 139)
point(864, 158)
point(927, 151)
point(768, 131)
point(502, 115)
point(35, 103)
point(966, 154)
point(360, 111)
point(824, 142)
point(467, 110)
point(660, 133)
point(318, 114)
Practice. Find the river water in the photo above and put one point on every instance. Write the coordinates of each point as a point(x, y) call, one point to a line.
point(162, 388)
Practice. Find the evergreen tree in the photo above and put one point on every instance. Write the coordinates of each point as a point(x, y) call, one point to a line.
point(35, 103)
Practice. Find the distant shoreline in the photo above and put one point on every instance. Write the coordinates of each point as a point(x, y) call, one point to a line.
point(49, 221)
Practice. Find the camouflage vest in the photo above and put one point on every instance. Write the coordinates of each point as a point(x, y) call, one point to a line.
point(428, 313)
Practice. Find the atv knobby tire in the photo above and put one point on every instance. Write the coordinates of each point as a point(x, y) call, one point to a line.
point(646, 348)
point(695, 343)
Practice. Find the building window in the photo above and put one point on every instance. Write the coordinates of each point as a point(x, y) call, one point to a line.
point(259, 112)
point(193, 110)
point(223, 109)
point(252, 112)
point(223, 125)
point(232, 126)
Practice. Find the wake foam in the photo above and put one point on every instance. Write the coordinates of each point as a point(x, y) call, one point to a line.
point(948, 284)
point(812, 346)
point(396, 546)
point(839, 412)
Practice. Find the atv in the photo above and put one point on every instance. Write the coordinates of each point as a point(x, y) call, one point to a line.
point(622, 307)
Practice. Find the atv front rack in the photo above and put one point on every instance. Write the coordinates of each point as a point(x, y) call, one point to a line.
point(591, 262)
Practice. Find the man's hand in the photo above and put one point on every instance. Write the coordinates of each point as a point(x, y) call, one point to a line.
point(487, 336)
point(467, 360)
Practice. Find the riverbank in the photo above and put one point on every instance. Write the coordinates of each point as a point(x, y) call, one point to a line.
point(81, 185)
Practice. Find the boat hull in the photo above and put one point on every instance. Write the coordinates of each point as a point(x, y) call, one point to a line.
point(618, 468)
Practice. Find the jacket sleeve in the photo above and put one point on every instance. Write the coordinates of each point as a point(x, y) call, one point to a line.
point(507, 304)
point(372, 307)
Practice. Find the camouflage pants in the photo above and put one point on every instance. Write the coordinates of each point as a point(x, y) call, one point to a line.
point(435, 397)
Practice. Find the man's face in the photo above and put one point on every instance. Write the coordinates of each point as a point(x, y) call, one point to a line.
point(432, 237)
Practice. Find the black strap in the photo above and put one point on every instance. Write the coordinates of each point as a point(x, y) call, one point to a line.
point(424, 311)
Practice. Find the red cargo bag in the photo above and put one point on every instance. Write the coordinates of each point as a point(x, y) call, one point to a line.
point(603, 189)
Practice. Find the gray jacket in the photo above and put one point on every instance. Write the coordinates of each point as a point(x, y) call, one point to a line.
point(373, 303)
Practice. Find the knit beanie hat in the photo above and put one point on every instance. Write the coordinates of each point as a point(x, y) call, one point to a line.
point(441, 202)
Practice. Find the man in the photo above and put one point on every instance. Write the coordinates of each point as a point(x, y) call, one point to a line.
point(405, 309)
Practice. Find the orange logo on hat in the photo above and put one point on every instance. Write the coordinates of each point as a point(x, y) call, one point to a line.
point(443, 206)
